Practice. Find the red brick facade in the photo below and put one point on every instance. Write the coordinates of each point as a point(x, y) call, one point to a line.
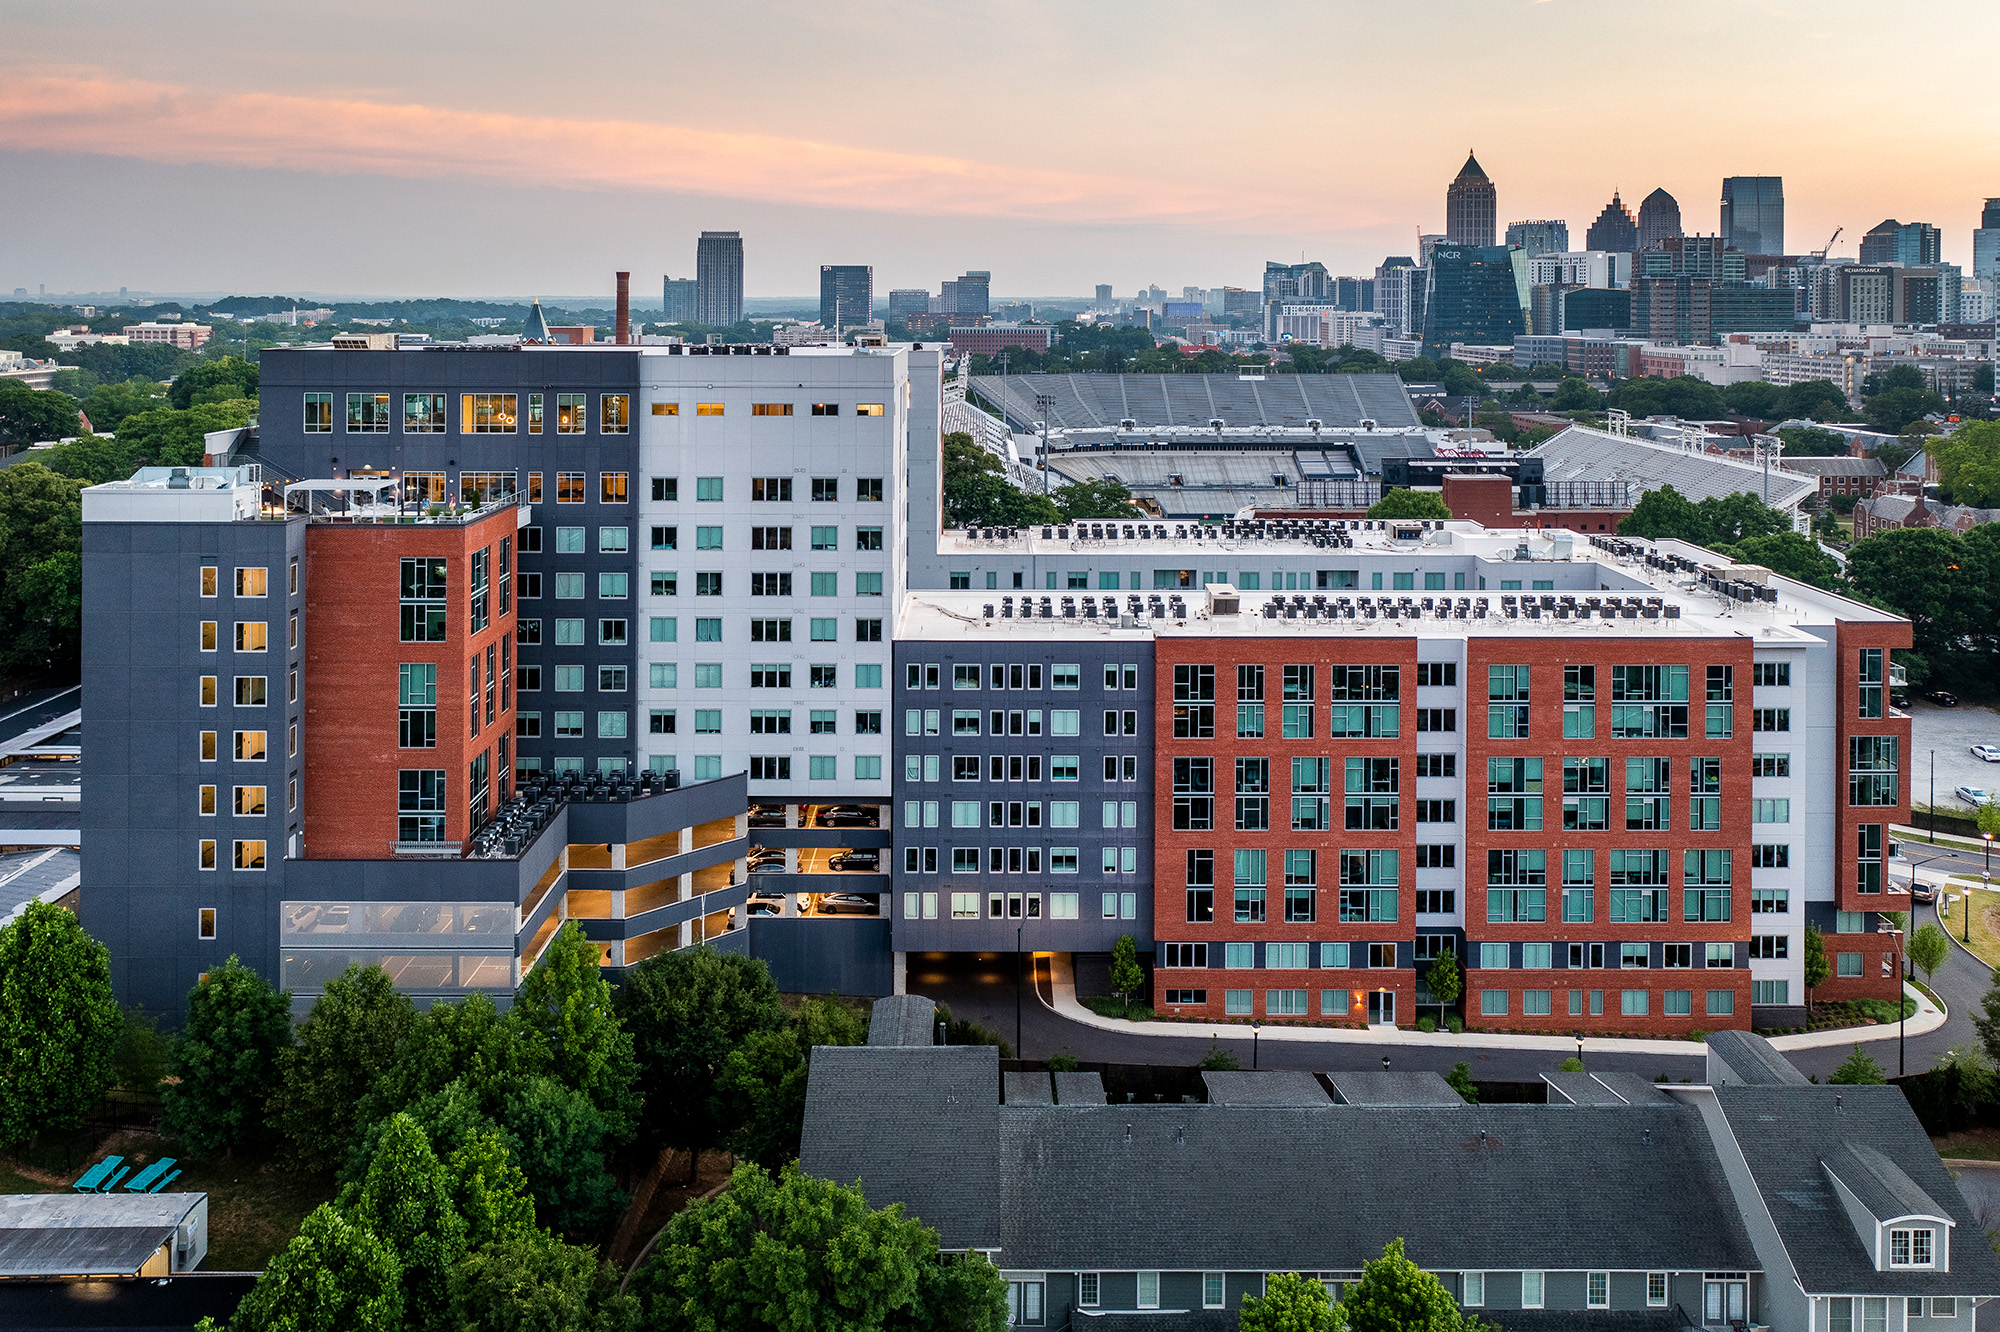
point(353, 654)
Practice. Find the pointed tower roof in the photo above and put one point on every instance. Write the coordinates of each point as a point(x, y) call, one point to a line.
point(1471, 170)
point(536, 328)
point(1660, 197)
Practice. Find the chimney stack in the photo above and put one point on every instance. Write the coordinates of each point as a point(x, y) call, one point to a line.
point(624, 309)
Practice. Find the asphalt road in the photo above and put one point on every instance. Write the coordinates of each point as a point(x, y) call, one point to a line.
point(982, 987)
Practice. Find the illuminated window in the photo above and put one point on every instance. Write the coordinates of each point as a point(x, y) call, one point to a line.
point(572, 413)
point(666, 409)
point(204, 923)
point(252, 636)
point(208, 691)
point(770, 409)
point(208, 580)
point(249, 855)
point(249, 801)
point(206, 859)
point(423, 413)
point(368, 413)
point(614, 412)
point(708, 409)
point(489, 414)
point(867, 409)
point(252, 582)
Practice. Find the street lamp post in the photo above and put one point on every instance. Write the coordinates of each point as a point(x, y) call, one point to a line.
point(1933, 797)
point(1579, 1045)
point(1254, 1029)
point(1017, 990)
point(1385, 1063)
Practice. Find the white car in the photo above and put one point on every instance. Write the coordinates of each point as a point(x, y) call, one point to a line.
point(1973, 795)
point(1991, 753)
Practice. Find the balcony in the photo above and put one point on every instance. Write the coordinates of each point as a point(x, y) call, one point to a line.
point(363, 501)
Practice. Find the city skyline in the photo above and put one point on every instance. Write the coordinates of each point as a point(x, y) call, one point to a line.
point(306, 124)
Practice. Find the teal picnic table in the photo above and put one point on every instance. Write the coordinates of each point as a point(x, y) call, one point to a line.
point(92, 1180)
point(139, 1183)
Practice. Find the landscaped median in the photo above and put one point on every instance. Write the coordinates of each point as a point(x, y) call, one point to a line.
point(1926, 1016)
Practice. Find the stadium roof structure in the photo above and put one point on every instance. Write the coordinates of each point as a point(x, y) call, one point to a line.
point(1084, 401)
point(1582, 453)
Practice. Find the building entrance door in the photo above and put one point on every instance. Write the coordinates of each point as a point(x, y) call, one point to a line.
point(1382, 1008)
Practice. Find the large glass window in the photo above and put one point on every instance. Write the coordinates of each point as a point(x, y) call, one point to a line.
point(487, 413)
point(423, 600)
point(368, 413)
point(416, 688)
point(423, 413)
point(572, 413)
point(420, 807)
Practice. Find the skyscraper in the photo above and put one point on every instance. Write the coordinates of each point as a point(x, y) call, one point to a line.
point(906, 301)
point(1614, 229)
point(846, 295)
point(1470, 297)
point(1104, 294)
point(1545, 236)
point(718, 278)
point(1893, 242)
point(969, 294)
point(1753, 213)
point(1470, 207)
point(1659, 219)
point(1986, 243)
point(677, 300)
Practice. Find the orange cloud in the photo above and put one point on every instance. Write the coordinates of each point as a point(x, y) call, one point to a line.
point(164, 123)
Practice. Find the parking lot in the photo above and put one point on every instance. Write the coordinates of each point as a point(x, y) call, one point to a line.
point(1950, 733)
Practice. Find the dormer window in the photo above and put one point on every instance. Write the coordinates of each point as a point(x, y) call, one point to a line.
point(1912, 1248)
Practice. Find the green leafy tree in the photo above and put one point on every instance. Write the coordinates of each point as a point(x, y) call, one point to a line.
point(1989, 819)
point(93, 459)
point(1800, 442)
point(406, 1202)
point(178, 438)
point(1444, 980)
point(1126, 977)
point(334, 1276)
point(1968, 463)
point(1815, 967)
point(1858, 1069)
point(1292, 1303)
point(354, 1030)
point(41, 571)
point(1666, 513)
point(763, 1080)
point(1460, 1078)
point(1575, 395)
point(1102, 498)
point(1987, 1021)
point(224, 379)
point(1929, 948)
point(686, 1011)
point(141, 1060)
point(566, 1002)
point(108, 404)
point(1684, 396)
point(1816, 400)
point(1896, 408)
point(1219, 1060)
point(1754, 397)
point(1395, 1295)
point(29, 416)
point(559, 1139)
point(767, 1249)
point(488, 1191)
point(1570, 1065)
point(59, 1025)
point(1403, 503)
point(226, 1059)
point(1788, 554)
point(534, 1282)
point(958, 1293)
point(1925, 575)
point(467, 1043)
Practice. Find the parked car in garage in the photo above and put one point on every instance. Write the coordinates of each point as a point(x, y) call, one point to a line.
point(846, 904)
point(862, 859)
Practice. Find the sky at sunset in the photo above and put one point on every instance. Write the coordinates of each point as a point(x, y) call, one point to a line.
point(514, 149)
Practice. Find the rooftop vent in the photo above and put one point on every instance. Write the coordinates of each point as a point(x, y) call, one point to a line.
point(1223, 599)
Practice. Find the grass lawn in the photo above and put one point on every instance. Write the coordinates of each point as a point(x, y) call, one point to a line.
point(1985, 925)
point(1111, 1006)
point(1976, 1144)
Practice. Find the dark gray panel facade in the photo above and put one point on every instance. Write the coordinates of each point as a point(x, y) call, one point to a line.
point(287, 375)
point(982, 864)
point(143, 725)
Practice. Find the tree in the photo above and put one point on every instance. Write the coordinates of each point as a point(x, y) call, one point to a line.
point(534, 1282)
point(467, 1043)
point(355, 1029)
point(226, 1059)
point(1126, 977)
point(1968, 462)
point(1666, 512)
point(29, 416)
point(1788, 554)
point(1755, 397)
point(1921, 573)
point(59, 1025)
point(767, 1249)
point(141, 1060)
point(686, 1011)
point(1444, 980)
point(1858, 1070)
point(1684, 396)
point(1219, 1060)
point(93, 459)
point(1989, 819)
point(566, 1002)
point(223, 379)
point(1575, 395)
point(334, 1276)
point(1402, 503)
point(1987, 1021)
point(1102, 498)
point(108, 404)
point(1460, 1078)
point(1816, 400)
point(1895, 408)
point(406, 1203)
point(177, 438)
point(1800, 442)
point(559, 1138)
point(488, 1191)
point(1570, 1065)
point(1928, 948)
point(1815, 961)
point(957, 1293)
point(1292, 1303)
point(763, 1080)
point(1395, 1295)
point(41, 570)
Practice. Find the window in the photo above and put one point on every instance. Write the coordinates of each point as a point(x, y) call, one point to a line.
point(416, 688)
point(1507, 707)
point(1086, 1285)
point(368, 413)
point(1873, 770)
point(1705, 880)
point(318, 413)
point(1211, 1282)
point(1516, 885)
point(423, 600)
point(1474, 1293)
point(1250, 885)
point(1911, 1248)
point(1770, 719)
point(1770, 765)
point(248, 854)
point(1148, 1283)
point(250, 746)
point(868, 489)
point(1870, 701)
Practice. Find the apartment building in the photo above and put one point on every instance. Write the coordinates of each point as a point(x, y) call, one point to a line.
point(300, 703)
point(1586, 770)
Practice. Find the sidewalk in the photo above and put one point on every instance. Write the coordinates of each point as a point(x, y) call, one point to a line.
point(1062, 987)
